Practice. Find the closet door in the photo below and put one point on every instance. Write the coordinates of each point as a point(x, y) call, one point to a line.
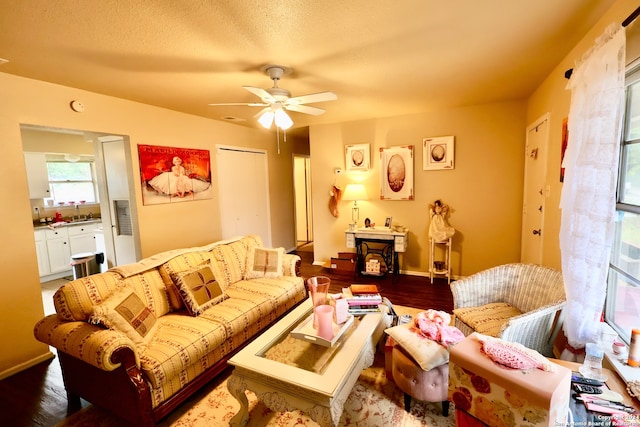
point(243, 179)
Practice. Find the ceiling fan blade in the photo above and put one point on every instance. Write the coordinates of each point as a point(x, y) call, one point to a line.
point(261, 93)
point(304, 109)
point(314, 97)
point(246, 104)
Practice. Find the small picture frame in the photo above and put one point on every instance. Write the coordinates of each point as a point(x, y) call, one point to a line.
point(387, 222)
point(357, 158)
point(437, 153)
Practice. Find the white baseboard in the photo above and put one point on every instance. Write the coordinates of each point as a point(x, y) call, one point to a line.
point(426, 274)
point(26, 365)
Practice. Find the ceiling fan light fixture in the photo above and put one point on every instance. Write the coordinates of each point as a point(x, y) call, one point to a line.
point(283, 121)
point(266, 119)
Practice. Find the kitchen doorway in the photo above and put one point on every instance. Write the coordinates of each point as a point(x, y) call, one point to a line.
point(110, 152)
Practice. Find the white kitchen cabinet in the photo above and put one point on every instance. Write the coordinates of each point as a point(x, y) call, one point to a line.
point(42, 253)
point(82, 238)
point(59, 249)
point(55, 247)
point(37, 175)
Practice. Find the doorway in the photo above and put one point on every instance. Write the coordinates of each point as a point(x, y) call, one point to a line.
point(535, 191)
point(302, 200)
point(44, 139)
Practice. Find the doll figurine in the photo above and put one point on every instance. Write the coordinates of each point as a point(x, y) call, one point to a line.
point(439, 229)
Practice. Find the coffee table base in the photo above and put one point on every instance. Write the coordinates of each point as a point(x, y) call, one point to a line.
point(283, 396)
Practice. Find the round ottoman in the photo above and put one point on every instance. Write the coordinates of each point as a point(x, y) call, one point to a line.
point(428, 386)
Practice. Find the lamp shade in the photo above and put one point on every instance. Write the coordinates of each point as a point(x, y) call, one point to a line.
point(283, 121)
point(266, 119)
point(355, 192)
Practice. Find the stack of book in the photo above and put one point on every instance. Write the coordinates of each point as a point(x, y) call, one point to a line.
point(362, 299)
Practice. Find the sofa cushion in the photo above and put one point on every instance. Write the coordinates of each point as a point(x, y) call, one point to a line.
point(125, 311)
point(177, 265)
point(427, 353)
point(264, 262)
point(229, 261)
point(75, 300)
point(180, 345)
point(487, 319)
point(151, 288)
point(198, 289)
point(284, 291)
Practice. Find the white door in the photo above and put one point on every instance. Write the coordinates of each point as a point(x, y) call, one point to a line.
point(243, 180)
point(119, 215)
point(535, 191)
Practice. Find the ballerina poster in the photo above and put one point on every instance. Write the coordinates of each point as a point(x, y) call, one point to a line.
point(171, 175)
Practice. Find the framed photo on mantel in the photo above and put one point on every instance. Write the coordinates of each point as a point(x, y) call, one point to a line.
point(437, 153)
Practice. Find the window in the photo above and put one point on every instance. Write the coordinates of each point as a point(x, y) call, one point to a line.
point(622, 309)
point(72, 181)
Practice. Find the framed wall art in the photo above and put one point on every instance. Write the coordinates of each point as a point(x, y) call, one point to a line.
point(170, 174)
point(437, 153)
point(357, 158)
point(396, 173)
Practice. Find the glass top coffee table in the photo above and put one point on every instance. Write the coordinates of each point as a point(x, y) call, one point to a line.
point(288, 373)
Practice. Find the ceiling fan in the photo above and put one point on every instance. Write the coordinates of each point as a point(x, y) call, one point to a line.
point(276, 100)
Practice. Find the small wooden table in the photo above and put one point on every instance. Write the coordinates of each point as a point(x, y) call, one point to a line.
point(287, 373)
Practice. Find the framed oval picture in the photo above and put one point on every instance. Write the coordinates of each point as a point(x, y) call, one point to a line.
point(396, 173)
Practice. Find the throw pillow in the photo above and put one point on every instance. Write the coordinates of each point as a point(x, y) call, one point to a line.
point(264, 262)
point(427, 353)
point(512, 354)
point(198, 289)
point(124, 311)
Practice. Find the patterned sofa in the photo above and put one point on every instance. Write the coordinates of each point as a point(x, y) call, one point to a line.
point(137, 340)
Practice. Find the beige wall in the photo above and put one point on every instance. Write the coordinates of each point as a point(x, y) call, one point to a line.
point(27, 101)
point(552, 97)
point(484, 191)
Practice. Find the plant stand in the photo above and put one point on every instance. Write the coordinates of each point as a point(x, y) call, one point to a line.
point(439, 267)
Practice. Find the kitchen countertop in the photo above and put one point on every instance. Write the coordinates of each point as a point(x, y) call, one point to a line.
point(38, 226)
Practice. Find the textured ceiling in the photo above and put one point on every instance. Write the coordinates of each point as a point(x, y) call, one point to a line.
point(382, 58)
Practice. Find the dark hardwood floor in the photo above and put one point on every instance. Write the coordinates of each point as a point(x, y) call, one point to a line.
point(36, 396)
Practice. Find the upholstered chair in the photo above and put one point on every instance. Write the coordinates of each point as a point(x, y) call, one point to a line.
point(516, 302)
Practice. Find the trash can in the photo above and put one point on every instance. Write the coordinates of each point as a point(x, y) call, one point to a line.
point(86, 263)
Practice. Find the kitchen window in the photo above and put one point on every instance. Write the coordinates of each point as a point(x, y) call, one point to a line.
point(622, 309)
point(72, 181)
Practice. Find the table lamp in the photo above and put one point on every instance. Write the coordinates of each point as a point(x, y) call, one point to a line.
point(355, 192)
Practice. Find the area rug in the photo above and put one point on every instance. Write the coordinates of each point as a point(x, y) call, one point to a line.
point(374, 401)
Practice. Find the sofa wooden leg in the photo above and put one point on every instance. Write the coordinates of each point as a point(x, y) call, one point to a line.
point(73, 403)
point(445, 408)
point(407, 402)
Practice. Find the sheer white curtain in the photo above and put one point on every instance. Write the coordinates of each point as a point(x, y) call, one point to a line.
point(588, 193)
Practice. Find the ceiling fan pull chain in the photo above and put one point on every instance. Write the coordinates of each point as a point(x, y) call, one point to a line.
point(278, 137)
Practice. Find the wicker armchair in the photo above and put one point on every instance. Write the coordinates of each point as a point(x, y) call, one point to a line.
point(516, 302)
